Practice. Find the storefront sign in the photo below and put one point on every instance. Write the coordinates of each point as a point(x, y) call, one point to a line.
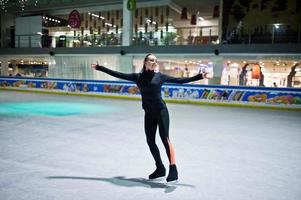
point(74, 19)
point(131, 5)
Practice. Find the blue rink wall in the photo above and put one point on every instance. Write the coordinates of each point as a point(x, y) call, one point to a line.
point(283, 98)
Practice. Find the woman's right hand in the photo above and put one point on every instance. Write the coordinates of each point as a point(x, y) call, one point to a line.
point(94, 66)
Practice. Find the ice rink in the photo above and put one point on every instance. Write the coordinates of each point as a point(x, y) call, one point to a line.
point(86, 148)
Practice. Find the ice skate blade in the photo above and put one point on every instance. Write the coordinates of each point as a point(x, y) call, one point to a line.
point(172, 182)
point(157, 179)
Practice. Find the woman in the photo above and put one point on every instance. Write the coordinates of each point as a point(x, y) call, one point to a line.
point(149, 82)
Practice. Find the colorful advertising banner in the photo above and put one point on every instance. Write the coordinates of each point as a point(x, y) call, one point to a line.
point(290, 97)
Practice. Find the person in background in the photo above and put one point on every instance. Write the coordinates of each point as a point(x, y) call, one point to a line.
point(186, 72)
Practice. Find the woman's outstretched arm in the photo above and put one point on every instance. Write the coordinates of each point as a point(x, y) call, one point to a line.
point(171, 79)
point(125, 76)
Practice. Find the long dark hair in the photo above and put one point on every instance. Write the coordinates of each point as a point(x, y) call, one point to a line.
point(145, 59)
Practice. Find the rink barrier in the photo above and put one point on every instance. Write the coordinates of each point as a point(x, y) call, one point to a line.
point(219, 95)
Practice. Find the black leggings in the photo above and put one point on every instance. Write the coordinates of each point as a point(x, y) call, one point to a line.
point(152, 119)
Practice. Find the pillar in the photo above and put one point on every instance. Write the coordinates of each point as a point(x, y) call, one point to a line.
point(217, 70)
point(126, 64)
point(127, 30)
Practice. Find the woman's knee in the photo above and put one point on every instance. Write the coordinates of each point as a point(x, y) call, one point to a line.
point(150, 141)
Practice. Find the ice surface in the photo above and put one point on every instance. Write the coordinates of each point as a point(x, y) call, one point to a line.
point(222, 153)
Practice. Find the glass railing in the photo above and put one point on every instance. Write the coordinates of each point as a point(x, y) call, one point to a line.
point(82, 41)
point(148, 39)
point(46, 41)
point(172, 38)
point(270, 34)
point(28, 40)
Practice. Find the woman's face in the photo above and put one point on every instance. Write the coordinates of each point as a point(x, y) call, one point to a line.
point(151, 63)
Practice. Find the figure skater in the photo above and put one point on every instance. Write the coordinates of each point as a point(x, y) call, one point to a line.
point(149, 82)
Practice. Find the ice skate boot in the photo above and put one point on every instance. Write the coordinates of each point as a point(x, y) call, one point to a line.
point(159, 172)
point(173, 174)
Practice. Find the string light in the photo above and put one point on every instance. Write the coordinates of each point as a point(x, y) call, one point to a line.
point(49, 19)
point(22, 3)
point(3, 4)
point(97, 16)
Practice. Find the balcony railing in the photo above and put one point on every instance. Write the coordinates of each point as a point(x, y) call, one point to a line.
point(272, 33)
point(268, 34)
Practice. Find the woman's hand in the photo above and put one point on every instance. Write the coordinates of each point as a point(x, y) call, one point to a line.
point(205, 75)
point(94, 66)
